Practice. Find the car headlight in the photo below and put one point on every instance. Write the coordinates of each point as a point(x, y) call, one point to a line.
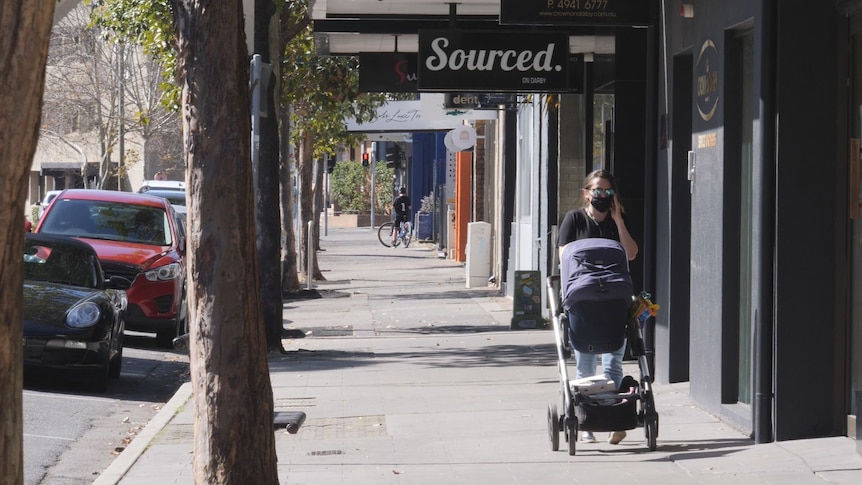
point(167, 272)
point(83, 315)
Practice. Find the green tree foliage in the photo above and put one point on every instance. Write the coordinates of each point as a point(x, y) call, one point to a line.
point(322, 90)
point(150, 24)
point(350, 186)
point(384, 190)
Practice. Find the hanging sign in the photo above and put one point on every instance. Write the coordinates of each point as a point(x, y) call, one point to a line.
point(459, 60)
point(460, 138)
point(480, 100)
point(387, 72)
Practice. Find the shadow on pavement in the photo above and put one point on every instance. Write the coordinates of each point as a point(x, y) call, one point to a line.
point(141, 380)
point(439, 357)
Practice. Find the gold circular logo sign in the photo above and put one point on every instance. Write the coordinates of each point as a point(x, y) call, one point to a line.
point(707, 67)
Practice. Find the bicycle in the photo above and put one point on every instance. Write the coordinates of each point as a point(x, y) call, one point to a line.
point(405, 234)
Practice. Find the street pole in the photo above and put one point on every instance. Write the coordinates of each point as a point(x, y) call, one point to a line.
point(255, 82)
point(309, 265)
point(121, 110)
point(373, 180)
point(326, 194)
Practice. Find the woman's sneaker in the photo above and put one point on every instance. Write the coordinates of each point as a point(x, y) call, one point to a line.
point(616, 437)
point(587, 437)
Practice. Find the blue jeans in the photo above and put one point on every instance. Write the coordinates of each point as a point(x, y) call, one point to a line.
point(612, 364)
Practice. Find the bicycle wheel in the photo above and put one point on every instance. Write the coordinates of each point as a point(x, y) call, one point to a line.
point(407, 234)
point(384, 234)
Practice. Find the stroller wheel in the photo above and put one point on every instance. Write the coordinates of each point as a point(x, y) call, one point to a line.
point(554, 427)
point(572, 431)
point(564, 341)
point(651, 432)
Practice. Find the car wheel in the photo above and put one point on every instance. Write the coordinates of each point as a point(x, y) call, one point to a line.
point(165, 338)
point(183, 318)
point(183, 325)
point(116, 365)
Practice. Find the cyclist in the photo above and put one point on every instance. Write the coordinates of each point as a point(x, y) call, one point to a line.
point(401, 207)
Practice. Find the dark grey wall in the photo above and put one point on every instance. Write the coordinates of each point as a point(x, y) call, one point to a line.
point(673, 252)
point(811, 224)
point(810, 221)
point(629, 134)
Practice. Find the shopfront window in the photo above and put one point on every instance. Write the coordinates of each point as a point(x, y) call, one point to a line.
point(740, 201)
point(746, 158)
point(603, 130)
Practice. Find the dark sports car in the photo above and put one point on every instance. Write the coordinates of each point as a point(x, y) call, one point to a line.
point(73, 317)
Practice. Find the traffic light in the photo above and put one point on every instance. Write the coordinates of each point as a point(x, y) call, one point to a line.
point(393, 157)
point(365, 161)
point(330, 164)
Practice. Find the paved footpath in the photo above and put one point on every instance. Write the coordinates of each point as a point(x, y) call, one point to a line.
point(408, 377)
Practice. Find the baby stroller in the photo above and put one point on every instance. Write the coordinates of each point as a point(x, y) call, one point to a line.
point(595, 282)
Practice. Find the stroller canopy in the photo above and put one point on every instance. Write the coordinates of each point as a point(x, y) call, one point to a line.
point(594, 269)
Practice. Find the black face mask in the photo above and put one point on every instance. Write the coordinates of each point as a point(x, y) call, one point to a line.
point(601, 204)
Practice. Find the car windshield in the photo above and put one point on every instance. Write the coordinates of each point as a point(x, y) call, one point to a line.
point(113, 221)
point(59, 264)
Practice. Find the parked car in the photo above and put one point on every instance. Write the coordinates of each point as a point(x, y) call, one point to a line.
point(177, 198)
point(73, 316)
point(162, 185)
point(139, 237)
point(49, 196)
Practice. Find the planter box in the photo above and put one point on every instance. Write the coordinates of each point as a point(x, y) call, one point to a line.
point(424, 226)
point(354, 220)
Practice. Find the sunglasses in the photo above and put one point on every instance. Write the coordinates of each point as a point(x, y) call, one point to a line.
point(602, 192)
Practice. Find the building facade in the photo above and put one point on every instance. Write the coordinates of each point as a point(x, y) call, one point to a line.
point(757, 201)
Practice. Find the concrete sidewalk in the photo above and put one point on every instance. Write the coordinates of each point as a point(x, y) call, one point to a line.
point(407, 377)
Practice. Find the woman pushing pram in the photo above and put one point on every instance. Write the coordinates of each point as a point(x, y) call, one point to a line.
point(596, 292)
point(600, 217)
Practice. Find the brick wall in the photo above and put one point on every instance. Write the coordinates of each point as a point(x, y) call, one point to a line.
point(479, 162)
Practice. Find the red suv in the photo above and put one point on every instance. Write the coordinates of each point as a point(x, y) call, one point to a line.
point(139, 237)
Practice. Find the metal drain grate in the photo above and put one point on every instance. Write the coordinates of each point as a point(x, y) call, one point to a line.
point(339, 331)
point(346, 427)
point(295, 402)
point(325, 452)
point(177, 433)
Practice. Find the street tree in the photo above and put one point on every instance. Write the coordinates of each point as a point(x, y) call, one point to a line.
point(25, 28)
point(98, 91)
point(267, 174)
point(321, 92)
point(234, 438)
point(149, 23)
point(82, 91)
point(147, 115)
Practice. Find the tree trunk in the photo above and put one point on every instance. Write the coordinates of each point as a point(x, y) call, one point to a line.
point(290, 276)
point(25, 29)
point(304, 170)
point(268, 220)
point(234, 439)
